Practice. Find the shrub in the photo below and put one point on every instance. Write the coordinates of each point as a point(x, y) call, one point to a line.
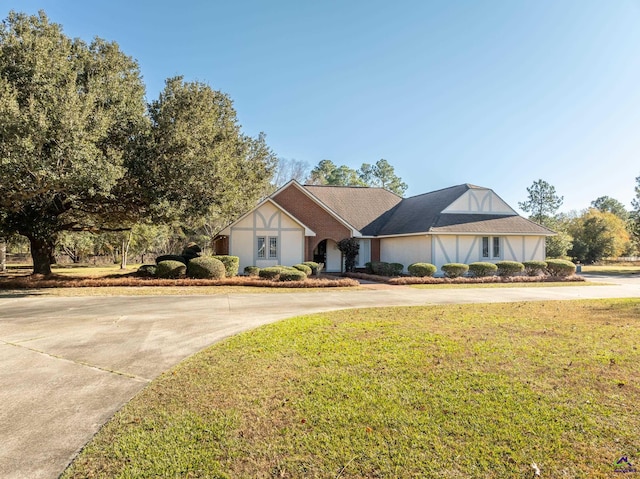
point(368, 267)
point(192, 250)
point(509, 268)
point(171, 269)
point(146, 271)
point(171, 257)
point(251, 270)
point(534, 268)
point(271, 272)
point(313, 265)
point(481, 269)
point(395, 269)
point(383, 268)
point(205, 267)
point(421, 270)
point(454, 270)
point(560, 267)
point(349, 247)
point(304, 268)
point(231, 264)
point(291, 274)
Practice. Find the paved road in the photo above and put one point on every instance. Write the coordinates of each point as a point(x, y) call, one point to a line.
point(68, 364)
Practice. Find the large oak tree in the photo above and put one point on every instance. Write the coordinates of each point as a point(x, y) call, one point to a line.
point(79, 151)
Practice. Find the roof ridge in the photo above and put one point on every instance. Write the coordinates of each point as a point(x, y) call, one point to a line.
point(443, 189)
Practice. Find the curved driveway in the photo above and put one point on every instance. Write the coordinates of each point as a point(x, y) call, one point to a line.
point(68, 364)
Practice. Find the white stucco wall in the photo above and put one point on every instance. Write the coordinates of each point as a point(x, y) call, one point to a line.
point(524, 248)
point(406, 250)
point(468, 249)
point(479, 200)
point(271, 222)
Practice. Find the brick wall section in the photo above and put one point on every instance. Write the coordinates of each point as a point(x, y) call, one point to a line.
point(312, 215)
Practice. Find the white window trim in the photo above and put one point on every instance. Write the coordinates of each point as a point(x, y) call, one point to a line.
point(491, 245)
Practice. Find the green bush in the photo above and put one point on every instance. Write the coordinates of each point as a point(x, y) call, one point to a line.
point(291, 274)
point(251, 270)
point(481, 269)
point(534, 268)
point(170, 269)
point(454, 270)
point(146, 271)
point(271, 272)
point(304, 268)
point(192, 250)
point(171, 257)
point(395, 269)
point(509, 268)
point(231, 264)
point(560, 267)
point(422, 270)
point(368, 267)
point(313, 265)
point(382, 268)
point(205, 267)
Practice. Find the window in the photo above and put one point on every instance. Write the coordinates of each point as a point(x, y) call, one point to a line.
point(495, 246)
point(262, 243)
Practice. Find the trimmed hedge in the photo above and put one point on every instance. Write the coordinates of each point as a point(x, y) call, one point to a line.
point(481, 269)
point(147, 271)
point(313, 265)
point(396, 269)
point(192, 250)
point(534, 268)
point(170, 269)
point(422, 270)
point(171, 257)
point(291, 274)
point(509, 268)
point(454, 270)
point(270, 272)
point(231, 264)
point(205, 267)
point(560, 267)
point(383, 268)
point(304, 268)
point(251, 270)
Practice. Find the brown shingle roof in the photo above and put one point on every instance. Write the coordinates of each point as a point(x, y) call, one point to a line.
point(378, 212)
point(364, 208)
point(487, 224)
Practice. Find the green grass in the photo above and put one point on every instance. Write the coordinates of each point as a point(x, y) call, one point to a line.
point(93, 270)
point(612, 269)
point(546, 284)
point(464, 391)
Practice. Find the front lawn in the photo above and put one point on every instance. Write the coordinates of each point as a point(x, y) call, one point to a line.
point(473, 391)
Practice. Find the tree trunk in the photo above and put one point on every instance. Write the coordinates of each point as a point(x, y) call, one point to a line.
point(41, 253)
point(126, 241)
point(3, 255)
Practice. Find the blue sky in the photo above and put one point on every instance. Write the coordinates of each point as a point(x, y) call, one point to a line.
point(493, 93)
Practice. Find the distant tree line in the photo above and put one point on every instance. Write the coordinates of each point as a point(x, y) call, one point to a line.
point(604, 230)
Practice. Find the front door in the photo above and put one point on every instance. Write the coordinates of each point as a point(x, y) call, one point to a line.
point(320, 253)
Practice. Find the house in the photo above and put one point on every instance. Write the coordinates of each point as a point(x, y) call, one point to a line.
point(460, 224)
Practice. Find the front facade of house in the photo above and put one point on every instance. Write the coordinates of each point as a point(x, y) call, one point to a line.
point(461, 224)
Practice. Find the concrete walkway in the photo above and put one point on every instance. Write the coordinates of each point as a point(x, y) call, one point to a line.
point(68, 364)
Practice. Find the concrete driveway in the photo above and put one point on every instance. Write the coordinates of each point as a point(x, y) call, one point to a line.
point(68, 364)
